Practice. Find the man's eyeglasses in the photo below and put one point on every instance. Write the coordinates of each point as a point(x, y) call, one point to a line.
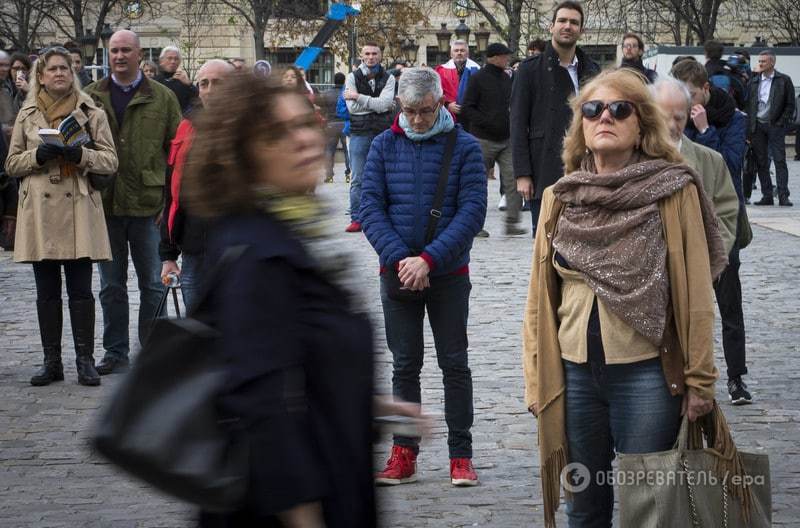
point(420, 112)
point(618, 109)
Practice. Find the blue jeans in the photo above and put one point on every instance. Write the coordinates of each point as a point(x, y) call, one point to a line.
point(769, 142)
point(627, 408)
point(359, 148)
point(447, 303)
point(142, 235)
point(191, 278)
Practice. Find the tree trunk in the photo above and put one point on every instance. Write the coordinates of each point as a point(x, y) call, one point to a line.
point(258, 41)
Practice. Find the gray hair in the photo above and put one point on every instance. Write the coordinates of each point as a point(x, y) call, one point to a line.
point(460, 43)
point(168, 49)
point(4, 55)
point(673, 85)
point(416, 83)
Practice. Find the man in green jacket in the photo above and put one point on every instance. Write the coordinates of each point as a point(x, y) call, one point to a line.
point(144, 116)
point(674, 99)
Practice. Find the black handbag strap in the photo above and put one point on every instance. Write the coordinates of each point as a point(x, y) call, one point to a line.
point(438, 199)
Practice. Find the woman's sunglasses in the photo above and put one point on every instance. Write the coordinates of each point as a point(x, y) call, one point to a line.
point(618, 109)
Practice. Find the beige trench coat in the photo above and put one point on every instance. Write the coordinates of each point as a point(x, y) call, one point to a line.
point(65, 220)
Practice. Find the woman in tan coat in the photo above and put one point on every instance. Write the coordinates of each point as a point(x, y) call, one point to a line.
point(617, 337)
point(60, 221)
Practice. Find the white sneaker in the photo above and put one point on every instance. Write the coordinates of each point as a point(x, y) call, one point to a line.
point(501, 205)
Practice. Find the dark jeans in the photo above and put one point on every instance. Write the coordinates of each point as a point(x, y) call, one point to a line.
point(447, 304)
point(536, 206)
point(332, 144)
point(770, 142)
point(728, 290)
point(192, 266)
point(78, 273)
point(626, 408)
point(141, 233)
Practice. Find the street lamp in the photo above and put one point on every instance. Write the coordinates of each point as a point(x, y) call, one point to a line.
point(462, 31)
point(482, 37)
point(89, 46)
point(410, 49)
point(443, 38)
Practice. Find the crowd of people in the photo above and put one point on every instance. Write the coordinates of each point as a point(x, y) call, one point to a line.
point(635, 182)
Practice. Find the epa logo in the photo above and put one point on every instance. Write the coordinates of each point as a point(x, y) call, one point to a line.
point(575, 477)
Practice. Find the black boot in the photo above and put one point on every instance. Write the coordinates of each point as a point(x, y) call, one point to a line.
point(81, 315)
point(50, 322)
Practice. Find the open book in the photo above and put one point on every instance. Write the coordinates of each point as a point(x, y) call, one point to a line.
point(68, 133)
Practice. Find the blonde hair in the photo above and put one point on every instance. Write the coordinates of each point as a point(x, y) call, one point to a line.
point(38, 69)
point(655, 139)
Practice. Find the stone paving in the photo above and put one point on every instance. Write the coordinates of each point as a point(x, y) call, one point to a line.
point(49, 478)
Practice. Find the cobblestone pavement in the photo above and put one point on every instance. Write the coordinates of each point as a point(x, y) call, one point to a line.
point(49, 478)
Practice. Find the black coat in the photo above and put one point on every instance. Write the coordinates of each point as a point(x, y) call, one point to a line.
point(638, 65)
point(540, 115)
point(486, 103)
point(781, 112)
point(186, 93)
point(299, 368)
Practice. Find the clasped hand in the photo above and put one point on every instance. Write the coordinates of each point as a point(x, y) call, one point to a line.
point(413, 273)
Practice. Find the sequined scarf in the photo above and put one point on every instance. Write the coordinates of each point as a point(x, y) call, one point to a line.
point(54, 111)
point(311, 222)
point(611, 231)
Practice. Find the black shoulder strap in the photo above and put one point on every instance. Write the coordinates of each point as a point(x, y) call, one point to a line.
point(438, 199)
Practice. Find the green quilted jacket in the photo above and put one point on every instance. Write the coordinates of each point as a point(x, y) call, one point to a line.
point(142, 144)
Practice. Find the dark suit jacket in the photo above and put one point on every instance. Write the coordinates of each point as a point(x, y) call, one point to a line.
point(540, 115)
point(781, 112)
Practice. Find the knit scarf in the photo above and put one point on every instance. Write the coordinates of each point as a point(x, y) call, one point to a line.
point(54, 111)
point(310, 221)
point(444, 123)
point(611, 231)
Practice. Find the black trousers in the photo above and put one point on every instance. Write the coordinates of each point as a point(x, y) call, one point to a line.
point(728, 290)
point(47, 274)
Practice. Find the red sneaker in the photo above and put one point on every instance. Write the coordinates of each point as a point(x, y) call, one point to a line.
point(401, 468)
point(354, 227)
point(461, 472)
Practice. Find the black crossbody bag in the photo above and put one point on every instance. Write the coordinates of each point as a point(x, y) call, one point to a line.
point(394, 287)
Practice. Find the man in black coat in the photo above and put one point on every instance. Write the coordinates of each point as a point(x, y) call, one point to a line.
point(632, 52)
point(540, 113)
point(175, 78)
point(486, 108)
point(771, 111)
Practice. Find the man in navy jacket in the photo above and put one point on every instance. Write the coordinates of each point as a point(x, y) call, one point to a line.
point(400, 180)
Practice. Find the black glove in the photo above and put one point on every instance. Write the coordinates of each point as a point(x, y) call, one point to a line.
point(47, 151)
point(73, 154)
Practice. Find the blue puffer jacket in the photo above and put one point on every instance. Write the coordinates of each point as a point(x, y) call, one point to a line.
point(730, 141)
point(400, 179)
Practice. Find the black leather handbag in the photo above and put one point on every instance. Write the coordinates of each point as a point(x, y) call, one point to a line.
point(162, 423)
point(394, 287)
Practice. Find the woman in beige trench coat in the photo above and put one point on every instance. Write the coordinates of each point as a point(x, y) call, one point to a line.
point(60, 220)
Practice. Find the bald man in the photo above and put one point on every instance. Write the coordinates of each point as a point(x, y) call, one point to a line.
point(182, 234)
point(144, 116)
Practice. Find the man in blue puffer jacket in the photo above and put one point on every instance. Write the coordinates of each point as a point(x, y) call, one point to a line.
point(400, 180)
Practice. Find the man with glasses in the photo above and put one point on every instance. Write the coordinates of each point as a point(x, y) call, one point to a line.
point(632, 52)
point(424, 250)
point(540, 112)
point(369, 94)
point(143, 115)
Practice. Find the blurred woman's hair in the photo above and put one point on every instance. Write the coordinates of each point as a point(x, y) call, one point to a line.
point(655, 139)
point(220, 172)
point(24, 59)
point(38, 69)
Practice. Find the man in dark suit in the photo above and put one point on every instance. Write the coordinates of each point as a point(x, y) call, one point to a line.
point(771, 112)
point(540, 113)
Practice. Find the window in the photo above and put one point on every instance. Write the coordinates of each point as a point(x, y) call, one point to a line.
point(604, 55)
point(306, 9)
